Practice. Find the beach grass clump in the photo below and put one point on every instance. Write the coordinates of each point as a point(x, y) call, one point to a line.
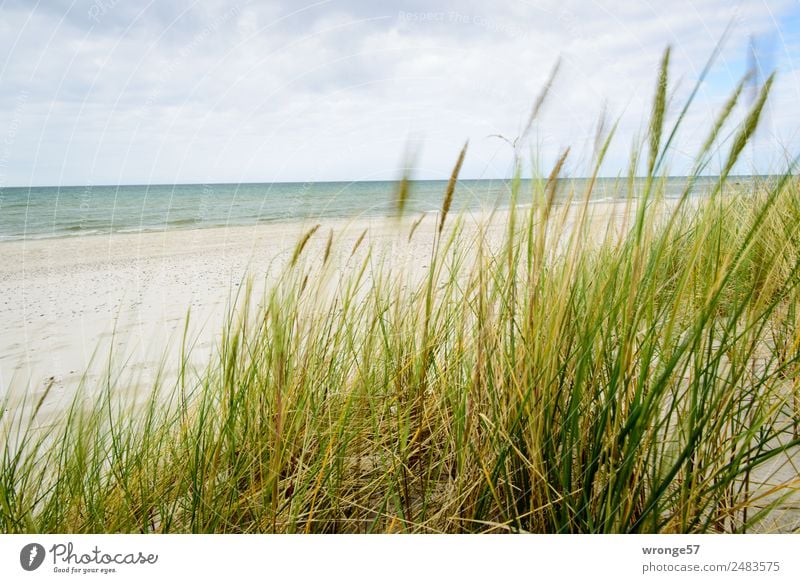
point(553, 369)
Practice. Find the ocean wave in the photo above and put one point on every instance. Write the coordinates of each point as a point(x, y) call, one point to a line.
point(50, 235)
point(184, 221)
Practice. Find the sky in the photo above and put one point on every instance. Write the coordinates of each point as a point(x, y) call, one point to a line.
point(137, 92)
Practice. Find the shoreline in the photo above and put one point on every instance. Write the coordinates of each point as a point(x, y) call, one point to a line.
point(362, 217)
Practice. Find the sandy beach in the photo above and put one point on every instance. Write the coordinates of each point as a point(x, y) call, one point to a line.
point(69, 303)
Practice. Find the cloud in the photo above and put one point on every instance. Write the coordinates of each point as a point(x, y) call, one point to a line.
point(121, 92)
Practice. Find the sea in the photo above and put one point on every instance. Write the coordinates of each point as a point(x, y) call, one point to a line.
point(75, 211)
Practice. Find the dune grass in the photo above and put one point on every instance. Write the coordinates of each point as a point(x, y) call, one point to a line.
point(566, 375)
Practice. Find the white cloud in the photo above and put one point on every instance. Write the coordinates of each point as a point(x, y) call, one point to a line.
point(106, 92)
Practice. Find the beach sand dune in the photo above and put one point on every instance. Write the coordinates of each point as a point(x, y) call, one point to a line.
point(70, 306)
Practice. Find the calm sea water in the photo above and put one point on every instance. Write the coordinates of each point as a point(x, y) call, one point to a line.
point(41, 212)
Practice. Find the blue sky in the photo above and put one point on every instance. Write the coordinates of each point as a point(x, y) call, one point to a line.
point(121, 92)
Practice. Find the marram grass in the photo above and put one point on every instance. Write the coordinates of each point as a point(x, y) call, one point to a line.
point(637, 377)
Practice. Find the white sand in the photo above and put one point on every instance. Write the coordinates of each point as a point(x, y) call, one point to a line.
point(63, 299)
point(65, 303)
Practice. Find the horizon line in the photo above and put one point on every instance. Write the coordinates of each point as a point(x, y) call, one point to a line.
point(412, 180)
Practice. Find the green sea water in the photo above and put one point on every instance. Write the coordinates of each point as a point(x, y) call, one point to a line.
point(42, 212)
